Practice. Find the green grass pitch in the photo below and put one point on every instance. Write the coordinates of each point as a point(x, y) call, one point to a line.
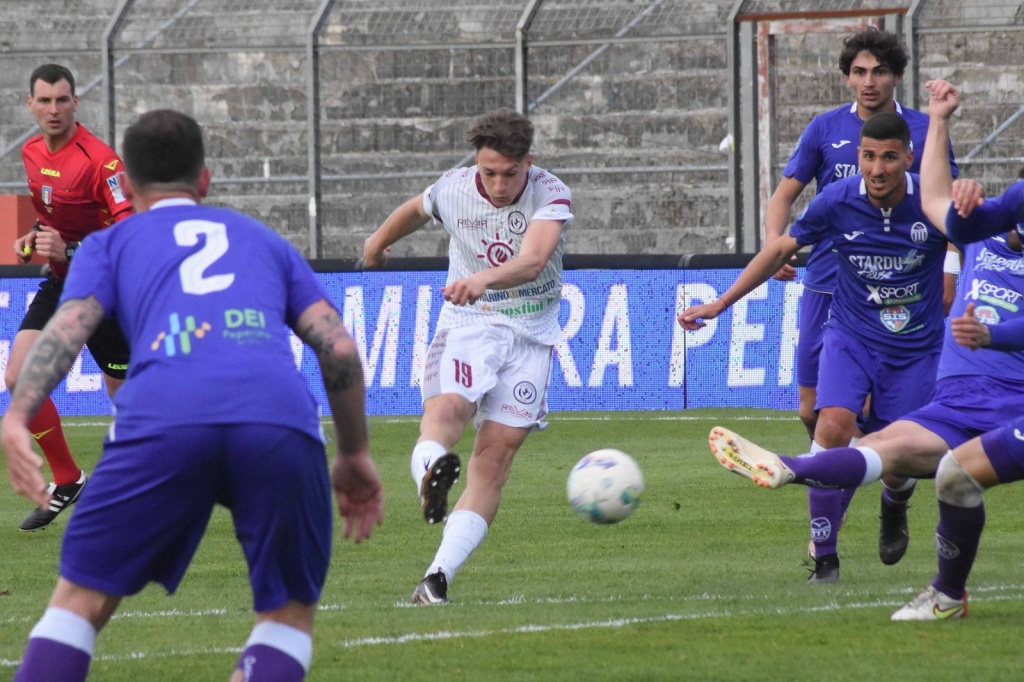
point(705, 582)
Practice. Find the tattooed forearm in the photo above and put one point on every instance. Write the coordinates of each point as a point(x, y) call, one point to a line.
point(321, 328)
point(339, 364)
point(54, 351)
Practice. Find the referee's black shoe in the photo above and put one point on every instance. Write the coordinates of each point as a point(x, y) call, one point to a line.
point(61, 497)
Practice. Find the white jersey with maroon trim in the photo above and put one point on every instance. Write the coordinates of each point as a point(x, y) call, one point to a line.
point(486, 236)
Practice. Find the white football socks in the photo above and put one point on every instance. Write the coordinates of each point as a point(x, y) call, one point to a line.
point(284, 638)
point(423, 455)
point(66, 627)
point(463, 533)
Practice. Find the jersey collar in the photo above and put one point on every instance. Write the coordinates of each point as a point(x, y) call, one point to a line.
point(173, 201)
point(853, 108)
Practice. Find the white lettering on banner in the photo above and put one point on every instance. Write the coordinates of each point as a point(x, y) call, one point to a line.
point(5, 356)
point(616, 320)
point(742, 334)
point(297, 345)
point(421, 335)
point(572, 295)
point(687, 295)
point(76, 382)
point(385, 336)
point(790, 331)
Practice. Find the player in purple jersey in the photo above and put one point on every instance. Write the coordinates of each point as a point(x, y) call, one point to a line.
point(997, 457)
point(885, 330)
point(872, 63)
point(490, 356)
point(974, 392)
point(212, 412)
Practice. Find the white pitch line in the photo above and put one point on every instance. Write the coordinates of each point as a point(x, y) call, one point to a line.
point(563, 417)
point(547, 627)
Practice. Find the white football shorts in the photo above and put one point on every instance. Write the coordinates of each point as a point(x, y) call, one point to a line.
point(503, 374)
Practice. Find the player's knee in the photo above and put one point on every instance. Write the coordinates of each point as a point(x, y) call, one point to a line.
point(448, 408)
point(953, 485)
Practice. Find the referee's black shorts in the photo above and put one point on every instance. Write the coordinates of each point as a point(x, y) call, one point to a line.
point(107, 344)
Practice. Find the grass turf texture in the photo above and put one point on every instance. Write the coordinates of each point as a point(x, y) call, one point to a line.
point(705, 582)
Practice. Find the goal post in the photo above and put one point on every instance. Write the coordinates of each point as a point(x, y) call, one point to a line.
point(759, 30)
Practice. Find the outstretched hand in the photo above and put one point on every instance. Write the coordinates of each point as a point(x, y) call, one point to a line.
point(360, 495)
point(693, 317)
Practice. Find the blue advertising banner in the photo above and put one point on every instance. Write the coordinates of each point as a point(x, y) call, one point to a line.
point(622, 348)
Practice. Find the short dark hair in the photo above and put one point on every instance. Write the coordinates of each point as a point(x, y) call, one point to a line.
point(52, 74)
point(505, 131)
point(886, 125)
point(887, 48)
point(164, 147)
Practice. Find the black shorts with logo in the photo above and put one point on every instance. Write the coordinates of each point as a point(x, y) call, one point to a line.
point(107, 344)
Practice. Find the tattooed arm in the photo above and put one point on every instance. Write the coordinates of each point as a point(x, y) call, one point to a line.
point(48, 361)
point(354, 477)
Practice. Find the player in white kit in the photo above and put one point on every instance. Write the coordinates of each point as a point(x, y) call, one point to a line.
point(491, 353)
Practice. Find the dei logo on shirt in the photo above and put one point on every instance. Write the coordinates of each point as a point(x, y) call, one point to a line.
point(895, 318)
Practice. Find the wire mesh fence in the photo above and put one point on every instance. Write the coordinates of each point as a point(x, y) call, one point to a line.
point(354, 110)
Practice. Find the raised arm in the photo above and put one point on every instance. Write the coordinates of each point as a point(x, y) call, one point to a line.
point(936, 176)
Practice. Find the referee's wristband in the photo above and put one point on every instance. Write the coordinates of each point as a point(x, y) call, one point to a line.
point(952, 264)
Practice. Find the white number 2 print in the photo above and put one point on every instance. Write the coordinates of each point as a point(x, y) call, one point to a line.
point(186, 233)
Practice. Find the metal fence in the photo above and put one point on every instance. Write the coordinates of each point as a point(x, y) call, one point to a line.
point(322, 115)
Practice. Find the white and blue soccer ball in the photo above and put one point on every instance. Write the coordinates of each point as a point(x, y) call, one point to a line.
point(605, 486)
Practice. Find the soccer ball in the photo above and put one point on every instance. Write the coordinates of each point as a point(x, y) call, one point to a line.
point(605, 486)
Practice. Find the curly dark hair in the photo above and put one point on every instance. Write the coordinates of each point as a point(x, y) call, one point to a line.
point(887, 48)
point(505, 131)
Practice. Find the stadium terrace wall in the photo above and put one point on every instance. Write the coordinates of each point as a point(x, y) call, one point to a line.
point(622, 349)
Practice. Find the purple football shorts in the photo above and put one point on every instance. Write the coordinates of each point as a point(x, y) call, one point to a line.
point(851, 370)
point(147, 505)
point(814, 308)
